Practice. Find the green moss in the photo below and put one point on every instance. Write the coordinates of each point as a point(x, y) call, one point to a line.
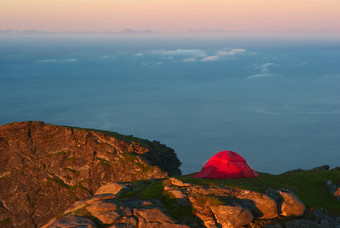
point(177, 211)
point(129, 156)
point(73, 171)
point(57, 181)
point(210, 200)
point(71, 159)
point(154, 190)
point(78, 186)
point(5, 221)
point(147, 169)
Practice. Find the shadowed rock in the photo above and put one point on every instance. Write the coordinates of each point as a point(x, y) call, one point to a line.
point(288, 203)
point(333, 189)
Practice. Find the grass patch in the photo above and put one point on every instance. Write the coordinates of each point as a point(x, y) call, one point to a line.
point(308, 185)
point(138, 187)
point(153, 190)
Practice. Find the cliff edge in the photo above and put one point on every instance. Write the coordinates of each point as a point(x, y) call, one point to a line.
point(45, 168)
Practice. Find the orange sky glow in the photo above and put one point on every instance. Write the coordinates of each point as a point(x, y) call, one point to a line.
point(170, 15)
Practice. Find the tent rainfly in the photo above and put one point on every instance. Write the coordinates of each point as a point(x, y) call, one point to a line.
point(227, 164)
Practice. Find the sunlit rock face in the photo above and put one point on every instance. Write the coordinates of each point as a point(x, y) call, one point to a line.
point(173, 203)
point(45, 168)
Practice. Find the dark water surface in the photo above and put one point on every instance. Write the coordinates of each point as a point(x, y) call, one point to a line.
point(277, 103)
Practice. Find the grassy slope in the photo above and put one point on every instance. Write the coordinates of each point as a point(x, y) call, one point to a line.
point(309, 186)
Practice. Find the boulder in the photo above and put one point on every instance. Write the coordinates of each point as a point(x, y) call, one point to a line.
point(288, 203)
point(231, 216)
point(108, 211)
point(262, 206)
point(322, 168)
point(179, 183)
point(291, 205)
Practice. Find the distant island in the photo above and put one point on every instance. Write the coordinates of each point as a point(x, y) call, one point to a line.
point(41, 32)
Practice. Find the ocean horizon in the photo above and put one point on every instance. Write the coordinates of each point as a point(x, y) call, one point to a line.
point(274, 101)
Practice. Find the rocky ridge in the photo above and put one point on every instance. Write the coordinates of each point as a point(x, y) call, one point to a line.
point(72, 177)
point(188, 205)
point(45, 168)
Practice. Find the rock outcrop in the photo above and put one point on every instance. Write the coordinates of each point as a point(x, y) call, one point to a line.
point(105, 210)
point(175, 204)
point(44, 168)
point(288, 203)
point(333, 189)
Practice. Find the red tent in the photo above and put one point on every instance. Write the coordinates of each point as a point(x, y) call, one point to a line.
point(227, 164)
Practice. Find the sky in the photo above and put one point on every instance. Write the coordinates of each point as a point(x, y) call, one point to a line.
point(170, 15)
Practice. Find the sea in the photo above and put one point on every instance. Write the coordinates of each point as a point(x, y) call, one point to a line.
point(273, 100)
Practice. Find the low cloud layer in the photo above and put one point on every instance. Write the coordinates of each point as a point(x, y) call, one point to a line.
point(59, 60)
point(262, 75)
point(181, 52)
point(263, 70)
point(221, 54)
point(193, 55)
